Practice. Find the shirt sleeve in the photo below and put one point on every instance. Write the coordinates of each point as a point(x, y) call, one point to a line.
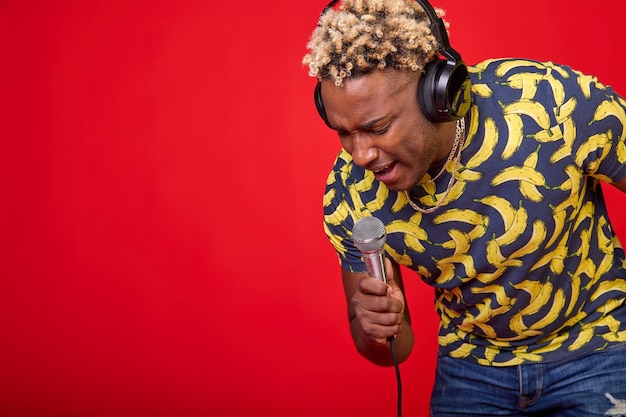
point(339, 216)
point(593, 117)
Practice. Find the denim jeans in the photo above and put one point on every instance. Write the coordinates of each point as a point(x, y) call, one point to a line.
point(588, 386)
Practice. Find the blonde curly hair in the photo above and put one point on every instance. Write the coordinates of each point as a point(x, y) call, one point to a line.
point(356, 37)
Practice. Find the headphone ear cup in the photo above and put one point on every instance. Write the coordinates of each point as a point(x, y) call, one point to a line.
point(444, 91)
point(319, 103)
point(427, 90)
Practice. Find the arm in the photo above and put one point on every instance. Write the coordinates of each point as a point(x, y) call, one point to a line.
point(377, 311)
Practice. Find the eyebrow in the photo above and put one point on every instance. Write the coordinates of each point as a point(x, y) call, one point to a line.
point(364, 126)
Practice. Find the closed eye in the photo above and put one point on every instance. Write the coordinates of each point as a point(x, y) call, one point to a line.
point(381, 131)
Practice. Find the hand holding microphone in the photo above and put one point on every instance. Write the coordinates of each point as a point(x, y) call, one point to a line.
point(379, 309)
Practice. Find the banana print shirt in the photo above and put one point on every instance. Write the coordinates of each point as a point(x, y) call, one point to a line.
point(522, 256)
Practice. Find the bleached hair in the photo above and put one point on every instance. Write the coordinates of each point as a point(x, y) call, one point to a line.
point(357, 37)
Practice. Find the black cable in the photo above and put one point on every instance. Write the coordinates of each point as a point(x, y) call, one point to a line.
point(398, 379)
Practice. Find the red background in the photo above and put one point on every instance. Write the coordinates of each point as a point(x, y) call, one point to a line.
point(161, 175)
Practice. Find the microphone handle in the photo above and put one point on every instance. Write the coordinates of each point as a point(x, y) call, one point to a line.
point(375, 264)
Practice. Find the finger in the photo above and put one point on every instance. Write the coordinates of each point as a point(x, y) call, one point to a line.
point(389, 270)
point(373, 286)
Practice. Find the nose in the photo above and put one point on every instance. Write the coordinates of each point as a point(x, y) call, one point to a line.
point(363, 150)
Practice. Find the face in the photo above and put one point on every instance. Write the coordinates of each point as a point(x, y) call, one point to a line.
point(379, 123)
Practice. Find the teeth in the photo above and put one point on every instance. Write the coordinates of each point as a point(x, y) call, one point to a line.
point(381, 169)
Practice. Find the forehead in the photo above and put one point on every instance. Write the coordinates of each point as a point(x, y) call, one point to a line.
point(366, 97)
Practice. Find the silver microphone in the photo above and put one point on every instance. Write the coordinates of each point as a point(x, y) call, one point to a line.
point(369, 236)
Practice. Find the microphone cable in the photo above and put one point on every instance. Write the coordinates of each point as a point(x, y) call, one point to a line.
point(398, 379)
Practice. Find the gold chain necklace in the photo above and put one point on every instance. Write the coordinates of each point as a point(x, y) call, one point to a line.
point(457, 147)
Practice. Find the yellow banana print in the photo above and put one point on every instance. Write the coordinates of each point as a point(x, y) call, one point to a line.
point(381, 196)
point(526, 82)
point(605, 287)
point(566, 110)
point(556, 341)
point(569, 135)
point(527, 189)
point(468, 175)
point(460, 241)
point(605, 242)
point(462, 216)
point(495, 257)
point(575, 284)
point(366, 183)
point(486, 148)
point(502, 206)
point(455, 192)
point(469, 322)
point(448, 339)
point(448, 270)
point(557, 87)
point(480, 67)
point(359, 207)
point(550, 135)
point(559, 224)
point(621, 151)
point(585, 212)
point(585, 82)
point(536, 240)
point(530, 357)
point(463, 351)
point(515, 136)
point(519, 173)
point(530, 108)
point(612, 324)
point(539, 296)
point(557, 306)
point(403, 259)
point(612, 108)
point(532, 287)
point(508, 65)
point(575, 186)
point(609, 108)
point(400, 202)
point(413, 233)
point(488, 277)
point(482, 90)
point(553, 67)
point(519, 327)
point(490, 355)
point(338, 216)
point(517, 227)
point(591, 145)
point(329, 197)
point(414, 243)
point(498, 290)
point(555, 258)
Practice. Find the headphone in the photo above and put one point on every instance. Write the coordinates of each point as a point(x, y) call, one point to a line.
point(443, 91)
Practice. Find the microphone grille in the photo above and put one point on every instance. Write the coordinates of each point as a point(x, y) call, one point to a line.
point(369, 234)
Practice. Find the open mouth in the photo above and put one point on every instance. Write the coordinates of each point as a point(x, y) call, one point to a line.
point(384, 170)
point(386, 173)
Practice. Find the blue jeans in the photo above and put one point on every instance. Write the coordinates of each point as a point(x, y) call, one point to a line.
point(589, 386)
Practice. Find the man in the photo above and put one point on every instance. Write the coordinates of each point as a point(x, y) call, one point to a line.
point(489, 188)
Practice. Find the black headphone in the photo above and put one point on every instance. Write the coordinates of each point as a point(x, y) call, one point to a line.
point(443, 91)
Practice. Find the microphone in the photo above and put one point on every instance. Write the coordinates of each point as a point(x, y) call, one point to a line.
point(369, 236)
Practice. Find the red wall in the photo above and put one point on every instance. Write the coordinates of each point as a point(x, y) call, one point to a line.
point(161, 174)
